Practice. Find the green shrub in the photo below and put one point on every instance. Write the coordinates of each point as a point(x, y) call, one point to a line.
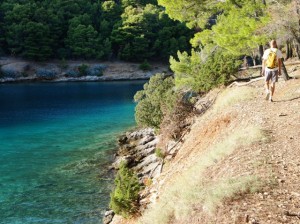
point(63, 64)
point(124, 199)
point(83, 69)
point(177, 120)
point(145, 66)
point(201, 75)
point(157, 98)
point(159, 153)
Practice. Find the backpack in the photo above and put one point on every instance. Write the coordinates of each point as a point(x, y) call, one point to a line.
point(272, 59)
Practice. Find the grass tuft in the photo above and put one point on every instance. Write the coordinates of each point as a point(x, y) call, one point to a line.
point(191, 188)
point(232, 96)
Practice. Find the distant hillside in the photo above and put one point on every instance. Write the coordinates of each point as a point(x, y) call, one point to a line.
point(132, 30)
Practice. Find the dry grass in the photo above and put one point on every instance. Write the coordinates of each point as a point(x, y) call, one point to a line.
point(232, 96)
point(192, 187)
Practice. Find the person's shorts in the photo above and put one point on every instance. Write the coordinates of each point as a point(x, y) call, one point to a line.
point(271, 75)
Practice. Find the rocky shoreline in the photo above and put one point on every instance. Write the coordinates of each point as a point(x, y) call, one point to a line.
point(13, 70)
point(137, 150)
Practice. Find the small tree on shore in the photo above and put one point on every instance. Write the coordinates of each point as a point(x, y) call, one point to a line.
point(124, 199)
point(157, 97)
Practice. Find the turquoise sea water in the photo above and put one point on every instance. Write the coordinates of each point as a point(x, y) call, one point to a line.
point(56, 141)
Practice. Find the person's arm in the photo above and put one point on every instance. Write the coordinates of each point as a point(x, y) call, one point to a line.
point(263, 67)
point(279, 65)
point(280, 59)
point(263, 64)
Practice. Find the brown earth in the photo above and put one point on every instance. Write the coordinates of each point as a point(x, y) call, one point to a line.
point(275, 160)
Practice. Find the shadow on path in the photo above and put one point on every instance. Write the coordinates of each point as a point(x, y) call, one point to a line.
point(295, 98)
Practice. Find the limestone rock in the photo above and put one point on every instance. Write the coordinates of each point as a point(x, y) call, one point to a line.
point(15, 70)
point(126, 159)
point(108, 216)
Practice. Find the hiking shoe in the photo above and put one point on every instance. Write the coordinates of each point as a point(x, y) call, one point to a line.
point(271, 100)
point(268, 95)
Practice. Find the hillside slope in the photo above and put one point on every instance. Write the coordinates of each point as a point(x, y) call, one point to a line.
point(240, 162)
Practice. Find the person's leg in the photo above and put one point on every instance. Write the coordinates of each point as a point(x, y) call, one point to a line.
point(272, 91)
point(274, 80)
point(267, 87)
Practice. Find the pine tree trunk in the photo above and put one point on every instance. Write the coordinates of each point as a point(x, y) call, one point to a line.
point(297, 51)
point(284, 74)
point(261, 52)
point(289, 50)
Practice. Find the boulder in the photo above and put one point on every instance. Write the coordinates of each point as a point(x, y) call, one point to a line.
point(127, 149)
point(15, 70)
point(126, 159)
point(96, 70)
point(146, 161)
point(108, 216)
point(143, 153)
point(47, 73)
point(123, 140)
point(150, 169)
point(146, 139)
point(72, 72)
point(140, 133)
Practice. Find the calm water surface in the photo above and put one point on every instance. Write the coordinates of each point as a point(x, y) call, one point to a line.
point(55, 141)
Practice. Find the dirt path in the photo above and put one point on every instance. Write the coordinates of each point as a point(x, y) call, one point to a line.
point(279, 201)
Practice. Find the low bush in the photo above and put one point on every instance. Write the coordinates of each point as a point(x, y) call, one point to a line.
point(83, 69)
point(176, 120)
point(95, 70)
point(157, 97)
point(145, 66)
point(10, 73)
point(72, 73)
point(63, 64)
point(201, 75)
point(160, 153)
point(124, 199)
point(46, 73)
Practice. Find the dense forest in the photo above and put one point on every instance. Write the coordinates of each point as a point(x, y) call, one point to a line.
point(130, 30)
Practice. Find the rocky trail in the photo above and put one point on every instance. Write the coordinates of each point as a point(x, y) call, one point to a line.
point(278, 158)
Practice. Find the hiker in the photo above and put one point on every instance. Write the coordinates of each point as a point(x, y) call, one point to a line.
point(271, 68)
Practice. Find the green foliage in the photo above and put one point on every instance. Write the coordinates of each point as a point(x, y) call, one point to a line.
point(124, 199)
point(146, 33)
point(83, 69)
point(235, 30)
point(192, 72)
point(196, 13)
point(159, 153)
point(145, 66)
point(82, 40)
point(87, 29)
point(231, 25)
point(63, 64)
point(156, 99)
